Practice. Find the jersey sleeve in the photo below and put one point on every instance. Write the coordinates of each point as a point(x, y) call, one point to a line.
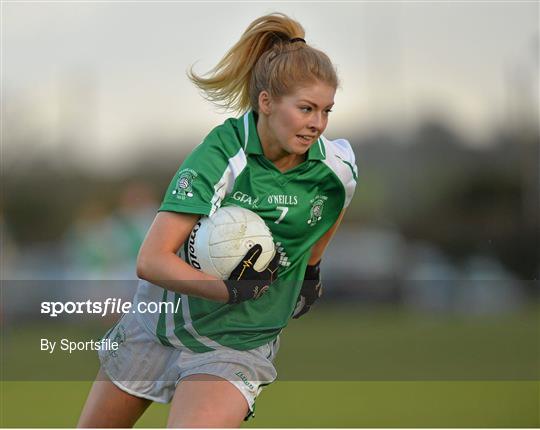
point(340, 158)
point(206, 176)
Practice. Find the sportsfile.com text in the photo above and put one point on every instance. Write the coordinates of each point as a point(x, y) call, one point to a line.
point(107, 307)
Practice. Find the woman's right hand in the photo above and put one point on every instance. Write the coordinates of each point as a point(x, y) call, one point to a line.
point(246, 283)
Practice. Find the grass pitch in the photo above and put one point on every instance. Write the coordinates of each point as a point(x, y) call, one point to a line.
point(367, 377)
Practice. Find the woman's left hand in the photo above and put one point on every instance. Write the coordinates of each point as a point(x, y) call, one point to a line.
point(311, 290)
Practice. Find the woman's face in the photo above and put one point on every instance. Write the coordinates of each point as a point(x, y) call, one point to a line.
point(296, 121)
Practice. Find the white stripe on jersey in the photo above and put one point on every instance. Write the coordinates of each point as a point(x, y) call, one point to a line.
point(321, 147)
point(169, 323)
point(226, 183)
point(148, 292)
point(340, 158)
point(188, 325)
point(246, 130)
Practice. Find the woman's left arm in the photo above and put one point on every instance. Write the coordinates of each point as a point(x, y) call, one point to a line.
point(312, 288)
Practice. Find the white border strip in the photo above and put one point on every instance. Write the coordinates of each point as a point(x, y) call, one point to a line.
point(246, 129)
point(170, 325)
point(188, 325)
point(225, 185)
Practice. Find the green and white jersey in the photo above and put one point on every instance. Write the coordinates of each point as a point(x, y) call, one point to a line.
point(299, 206)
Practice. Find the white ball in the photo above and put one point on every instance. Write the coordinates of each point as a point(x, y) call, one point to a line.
point(218, 243)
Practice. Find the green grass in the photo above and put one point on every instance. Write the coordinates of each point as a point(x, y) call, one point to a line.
point(338, 367)
point(314, 404)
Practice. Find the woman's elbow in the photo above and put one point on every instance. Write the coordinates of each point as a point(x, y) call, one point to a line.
point(143, 266)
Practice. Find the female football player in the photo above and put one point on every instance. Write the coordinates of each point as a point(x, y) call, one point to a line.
point(212, 357)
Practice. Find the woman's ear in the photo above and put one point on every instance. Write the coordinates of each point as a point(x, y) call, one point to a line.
point(265, 103)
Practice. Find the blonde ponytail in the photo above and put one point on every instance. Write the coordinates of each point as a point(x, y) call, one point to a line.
point(264, 59)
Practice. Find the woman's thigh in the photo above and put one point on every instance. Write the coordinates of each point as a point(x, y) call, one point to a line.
point(203, 400)
point(109, 406)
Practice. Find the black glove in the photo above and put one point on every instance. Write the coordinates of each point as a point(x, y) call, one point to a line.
point(310, 292)
point(246, 283)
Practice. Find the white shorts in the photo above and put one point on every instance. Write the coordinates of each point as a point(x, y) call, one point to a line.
point(144, 367)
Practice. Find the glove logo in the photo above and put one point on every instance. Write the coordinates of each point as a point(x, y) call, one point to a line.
point(184, 184)
point(258, 292)
point(317, 206)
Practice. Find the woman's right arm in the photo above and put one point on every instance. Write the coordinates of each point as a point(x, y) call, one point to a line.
point(159, 263)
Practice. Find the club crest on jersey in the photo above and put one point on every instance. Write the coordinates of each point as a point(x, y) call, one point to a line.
point(316, 211)
point(184, 183)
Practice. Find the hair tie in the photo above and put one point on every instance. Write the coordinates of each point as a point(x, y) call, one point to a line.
point(296, 39)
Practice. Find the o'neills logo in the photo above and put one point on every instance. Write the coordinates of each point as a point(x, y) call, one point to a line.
point(189, 248)
point(245, 380)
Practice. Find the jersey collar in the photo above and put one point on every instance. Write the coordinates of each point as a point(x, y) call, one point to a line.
point(252, 144)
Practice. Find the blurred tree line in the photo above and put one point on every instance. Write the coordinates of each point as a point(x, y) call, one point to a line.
point(431, 184)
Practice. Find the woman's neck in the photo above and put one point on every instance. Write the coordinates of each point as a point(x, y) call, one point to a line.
point(272, 149)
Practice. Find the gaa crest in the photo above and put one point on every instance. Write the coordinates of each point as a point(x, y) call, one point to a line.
point(316, 211)
point(184, 184)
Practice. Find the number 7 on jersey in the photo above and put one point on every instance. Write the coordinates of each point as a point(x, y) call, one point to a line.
point(284, 210)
